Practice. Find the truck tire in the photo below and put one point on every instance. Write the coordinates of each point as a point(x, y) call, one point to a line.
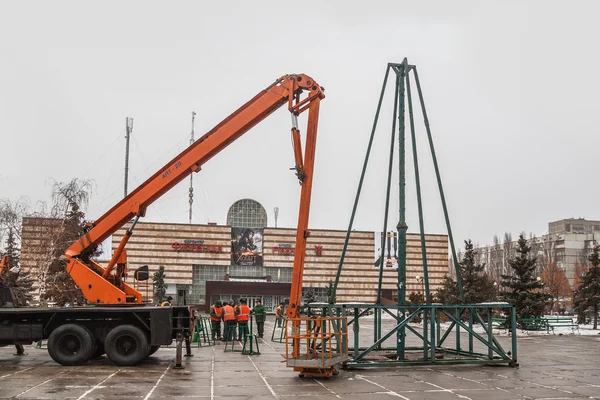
point(126, 345)
point(70, 344)
point(153, 349)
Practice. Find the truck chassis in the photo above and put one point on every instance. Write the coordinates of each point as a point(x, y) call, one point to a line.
point(75, 335)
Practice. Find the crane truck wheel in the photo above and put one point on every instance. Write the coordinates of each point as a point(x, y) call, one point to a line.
point(70, 344)
point(126, 345)
point(153, 349)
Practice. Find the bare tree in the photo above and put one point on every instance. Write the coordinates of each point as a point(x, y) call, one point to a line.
point(555, 283)
point(495, 259)
point(507, 253)
point(11, 215)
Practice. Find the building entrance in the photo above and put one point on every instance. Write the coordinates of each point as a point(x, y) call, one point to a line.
point(252, 300)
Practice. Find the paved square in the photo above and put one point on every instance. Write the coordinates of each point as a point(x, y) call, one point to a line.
point(552, 367)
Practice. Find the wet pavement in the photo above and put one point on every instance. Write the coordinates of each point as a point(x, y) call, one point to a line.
point(552, 367)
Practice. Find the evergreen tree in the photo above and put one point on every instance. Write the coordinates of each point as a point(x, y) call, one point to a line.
point(587, 295)
point(415, 298)
point(448, 293)
point(310, 296)
point(522, 289)
point(478, 288)
point(160, 287)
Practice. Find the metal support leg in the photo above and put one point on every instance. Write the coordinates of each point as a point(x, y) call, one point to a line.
point(188, 347)
point(178, 351)
point(20, 350)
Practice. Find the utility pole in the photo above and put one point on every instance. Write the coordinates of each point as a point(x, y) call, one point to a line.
point(128, 130)
point(192, 175)
point(276, 210)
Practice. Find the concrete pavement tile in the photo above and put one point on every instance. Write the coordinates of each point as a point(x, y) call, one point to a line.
point(542, 393)
point(301, 390)
point(371, 396)
point(53, 392)
point(242, 390)
point(588, 391)
point(252, 380)
point(7, 392)
point(507, 383)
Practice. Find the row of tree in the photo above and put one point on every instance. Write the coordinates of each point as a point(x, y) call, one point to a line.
point(61, 224)
point(522, 286)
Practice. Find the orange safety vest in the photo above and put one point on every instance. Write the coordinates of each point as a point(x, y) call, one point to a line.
point(244, 313)
point(218, 312)
point(228, 314)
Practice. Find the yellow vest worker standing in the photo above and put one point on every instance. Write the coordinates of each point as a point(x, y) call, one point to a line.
point(167, 303)
point(242, 313)
point(229, 319)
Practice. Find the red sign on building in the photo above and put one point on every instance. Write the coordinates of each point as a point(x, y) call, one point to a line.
point(196, 246)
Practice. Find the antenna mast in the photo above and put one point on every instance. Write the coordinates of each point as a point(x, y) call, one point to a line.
point(192, 175)
point(276, 210)
point(128, 130)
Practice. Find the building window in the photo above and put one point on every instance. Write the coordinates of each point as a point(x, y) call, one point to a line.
point(318, 294)
point(247, 213)
point(246, 271)
point(279, 274)
point(201, 274)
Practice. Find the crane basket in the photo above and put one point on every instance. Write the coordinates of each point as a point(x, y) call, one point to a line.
point(322, 342)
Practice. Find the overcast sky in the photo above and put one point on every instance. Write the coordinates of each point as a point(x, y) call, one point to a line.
point(510, 87)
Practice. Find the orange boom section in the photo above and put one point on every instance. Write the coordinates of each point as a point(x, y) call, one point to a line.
point(105, 285)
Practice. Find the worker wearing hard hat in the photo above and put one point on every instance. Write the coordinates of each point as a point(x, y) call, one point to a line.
point(167, 303)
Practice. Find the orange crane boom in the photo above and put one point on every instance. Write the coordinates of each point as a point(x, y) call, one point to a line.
point(105, 285)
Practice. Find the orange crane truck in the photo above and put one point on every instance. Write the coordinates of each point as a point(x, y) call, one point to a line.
point(118, 323)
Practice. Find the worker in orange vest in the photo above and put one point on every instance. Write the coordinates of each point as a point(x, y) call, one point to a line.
point(216, 315)
point(242, 315)
point(229, 320)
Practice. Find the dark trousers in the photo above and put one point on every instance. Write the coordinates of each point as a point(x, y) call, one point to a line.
point(279, 321)
point(242, 329)
point(216, 329)
point(260, 328)
point(229, 330)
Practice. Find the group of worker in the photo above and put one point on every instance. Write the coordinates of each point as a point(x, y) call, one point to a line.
point(236, 316)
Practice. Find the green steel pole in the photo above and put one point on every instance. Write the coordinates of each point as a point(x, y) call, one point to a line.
point(401, 333)
point(513, 332)
point(418, 184)
point(360, 183)
point(439, 182)
point(387, 193)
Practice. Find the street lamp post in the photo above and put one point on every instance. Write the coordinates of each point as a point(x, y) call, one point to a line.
point(420, 280)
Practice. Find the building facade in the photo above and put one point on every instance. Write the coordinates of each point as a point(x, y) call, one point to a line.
point(201, 260)
point(567, 244)
point(206, 263)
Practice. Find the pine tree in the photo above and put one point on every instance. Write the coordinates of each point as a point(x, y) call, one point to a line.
point(24, 283)
point(160, 287)
point(448, 293)
point(478, 288)
point(587, 295)
point(522, 289)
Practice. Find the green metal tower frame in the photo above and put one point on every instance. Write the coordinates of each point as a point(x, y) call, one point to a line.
point(432, 313)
